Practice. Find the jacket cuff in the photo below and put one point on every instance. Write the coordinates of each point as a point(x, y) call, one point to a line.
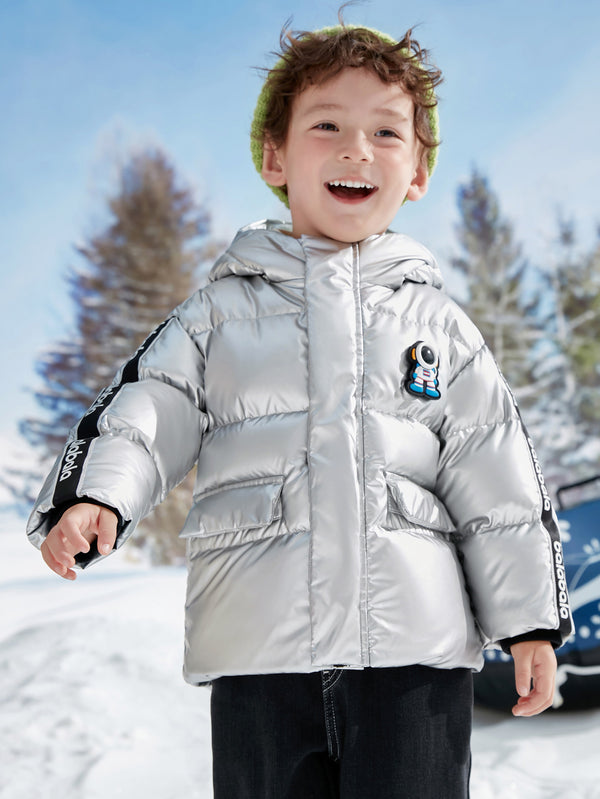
point(553, 636)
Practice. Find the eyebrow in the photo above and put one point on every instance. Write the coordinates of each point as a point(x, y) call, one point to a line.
point(322, 107)
point(389, 112)
point(383, 110)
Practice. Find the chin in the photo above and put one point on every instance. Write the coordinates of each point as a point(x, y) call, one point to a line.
point(356, 235)
point(345, 239)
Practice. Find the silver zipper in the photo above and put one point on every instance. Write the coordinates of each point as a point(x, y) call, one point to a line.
point(360, 461)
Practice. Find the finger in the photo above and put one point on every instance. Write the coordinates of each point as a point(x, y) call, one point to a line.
point(542, 695)
point(523, 675)
point(58, 547)
point(535, 703)
point(72, 527)
point(56, 566)
point(107, 531)
point(62, 557)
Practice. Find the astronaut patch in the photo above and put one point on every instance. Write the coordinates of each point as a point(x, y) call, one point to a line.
point(423, 370)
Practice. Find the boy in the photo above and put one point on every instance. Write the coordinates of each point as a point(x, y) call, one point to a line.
point(368, 509)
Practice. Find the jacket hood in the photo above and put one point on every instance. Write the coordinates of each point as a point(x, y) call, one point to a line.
point(266, 248)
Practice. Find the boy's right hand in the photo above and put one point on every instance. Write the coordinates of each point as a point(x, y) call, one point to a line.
point(77, 528)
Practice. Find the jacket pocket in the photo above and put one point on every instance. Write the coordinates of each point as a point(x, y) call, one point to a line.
point(236, 513)
point(410, 502)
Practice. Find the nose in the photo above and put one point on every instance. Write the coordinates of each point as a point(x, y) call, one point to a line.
point(355, 147)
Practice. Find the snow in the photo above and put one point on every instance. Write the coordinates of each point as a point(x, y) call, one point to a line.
point(92, 702)
point(14, 452)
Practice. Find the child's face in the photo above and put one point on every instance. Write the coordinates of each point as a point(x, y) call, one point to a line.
point(352, 129)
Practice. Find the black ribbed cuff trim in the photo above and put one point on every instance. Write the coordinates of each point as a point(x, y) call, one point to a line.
point(553, 636)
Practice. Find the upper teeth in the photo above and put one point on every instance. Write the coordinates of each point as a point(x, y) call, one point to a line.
point(351, 184)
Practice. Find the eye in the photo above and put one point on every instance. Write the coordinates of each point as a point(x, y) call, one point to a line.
point(326, 126)
point(387, 133)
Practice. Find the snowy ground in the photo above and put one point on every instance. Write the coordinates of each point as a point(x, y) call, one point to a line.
point(93, 705)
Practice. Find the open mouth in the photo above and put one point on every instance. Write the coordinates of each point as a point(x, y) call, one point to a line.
point(350, 189)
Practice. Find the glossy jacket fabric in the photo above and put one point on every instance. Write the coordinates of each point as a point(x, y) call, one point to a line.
point(340, 517)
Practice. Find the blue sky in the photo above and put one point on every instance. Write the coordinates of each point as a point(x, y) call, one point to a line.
point(82, 79)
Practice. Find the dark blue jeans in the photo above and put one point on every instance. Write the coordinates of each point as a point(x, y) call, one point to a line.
point(396, 733)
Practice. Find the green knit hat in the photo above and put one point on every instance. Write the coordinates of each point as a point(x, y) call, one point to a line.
point(260, 112)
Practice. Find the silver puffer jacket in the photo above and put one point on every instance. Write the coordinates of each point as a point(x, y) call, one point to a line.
point(366, 494)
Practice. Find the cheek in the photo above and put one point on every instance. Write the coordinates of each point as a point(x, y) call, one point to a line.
point(401, 164)
point(313, 153)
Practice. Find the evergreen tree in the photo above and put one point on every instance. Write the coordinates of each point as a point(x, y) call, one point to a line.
point(552, 419)
point(573, 399)
point(495, 270)
point(132, 274)
point(580, 339)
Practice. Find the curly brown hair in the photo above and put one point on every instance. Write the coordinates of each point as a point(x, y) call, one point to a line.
point(309, 58)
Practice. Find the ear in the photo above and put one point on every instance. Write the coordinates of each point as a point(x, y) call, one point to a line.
point(273, 171)
point(419, 183)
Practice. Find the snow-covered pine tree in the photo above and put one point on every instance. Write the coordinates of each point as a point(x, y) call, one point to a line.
point(494, 270)
point(132, 274)
point(580, 307)
point(552, 420)
point(574, 363)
